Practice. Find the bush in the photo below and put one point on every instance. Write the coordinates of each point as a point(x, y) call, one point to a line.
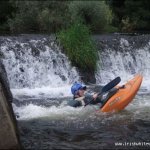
point(45, 20)
point(111, 29)
point(96, 14)
point(32, 16)
point(52, 20)
point(4, 28)
point(138, 12)
point(79, 47)
point(25, 19)
point(128, 25)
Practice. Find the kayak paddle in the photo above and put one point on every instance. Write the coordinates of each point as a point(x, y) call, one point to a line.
point(107, 87)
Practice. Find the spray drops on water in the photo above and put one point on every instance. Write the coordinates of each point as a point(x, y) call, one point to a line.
point(124, 63)
point(37, 69)
point(36, 63)
point(40, 77)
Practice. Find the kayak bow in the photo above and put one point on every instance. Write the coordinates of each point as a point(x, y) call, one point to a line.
point(123, 96)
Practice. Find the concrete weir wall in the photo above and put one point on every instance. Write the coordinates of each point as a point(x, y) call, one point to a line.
point(9, 138)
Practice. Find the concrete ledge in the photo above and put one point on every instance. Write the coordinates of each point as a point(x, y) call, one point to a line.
point(9, 138)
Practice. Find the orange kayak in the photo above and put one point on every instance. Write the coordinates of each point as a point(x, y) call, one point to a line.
point(123, 96)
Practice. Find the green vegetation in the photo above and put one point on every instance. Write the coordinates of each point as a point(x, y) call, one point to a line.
point(138, 13)
point(95, 14)
point(25, 19)
point(38, 16)
point(130, 15)
point(74, 21)
point(6, 10)
point(51, 16)
point(79, 46)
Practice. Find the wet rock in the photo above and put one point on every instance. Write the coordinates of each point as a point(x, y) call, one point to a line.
point(87, 76)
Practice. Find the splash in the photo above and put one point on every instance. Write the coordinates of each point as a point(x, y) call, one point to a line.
point(37, 69)
point(124, 63)
point(36, 63)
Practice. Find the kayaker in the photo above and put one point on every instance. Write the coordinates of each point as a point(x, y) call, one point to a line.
point(81, 96)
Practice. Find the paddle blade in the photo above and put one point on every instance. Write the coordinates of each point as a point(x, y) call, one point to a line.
point(111, 85)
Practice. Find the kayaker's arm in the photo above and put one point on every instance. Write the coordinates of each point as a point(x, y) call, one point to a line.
point(87, 97)
point(81, 99)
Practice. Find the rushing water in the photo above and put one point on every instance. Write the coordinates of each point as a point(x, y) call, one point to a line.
point(40, 77)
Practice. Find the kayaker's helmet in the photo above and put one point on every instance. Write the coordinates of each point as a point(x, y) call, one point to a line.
point(77, 86)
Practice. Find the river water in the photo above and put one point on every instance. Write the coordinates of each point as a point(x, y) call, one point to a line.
point(40, 77)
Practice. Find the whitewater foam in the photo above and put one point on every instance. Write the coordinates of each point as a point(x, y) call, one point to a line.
point(43, 92)
point(32, 111)
point(38, 69)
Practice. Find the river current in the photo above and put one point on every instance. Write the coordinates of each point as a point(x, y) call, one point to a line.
point(40, 77)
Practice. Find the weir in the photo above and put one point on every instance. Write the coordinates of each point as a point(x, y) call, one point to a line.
point(40, 75)
point(124, 56)
point(33, 61)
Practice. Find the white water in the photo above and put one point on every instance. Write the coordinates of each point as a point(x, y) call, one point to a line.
point(49, 67)
point(124, 63)
point(47, 92)
point(50, 75)
point(32, 111)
